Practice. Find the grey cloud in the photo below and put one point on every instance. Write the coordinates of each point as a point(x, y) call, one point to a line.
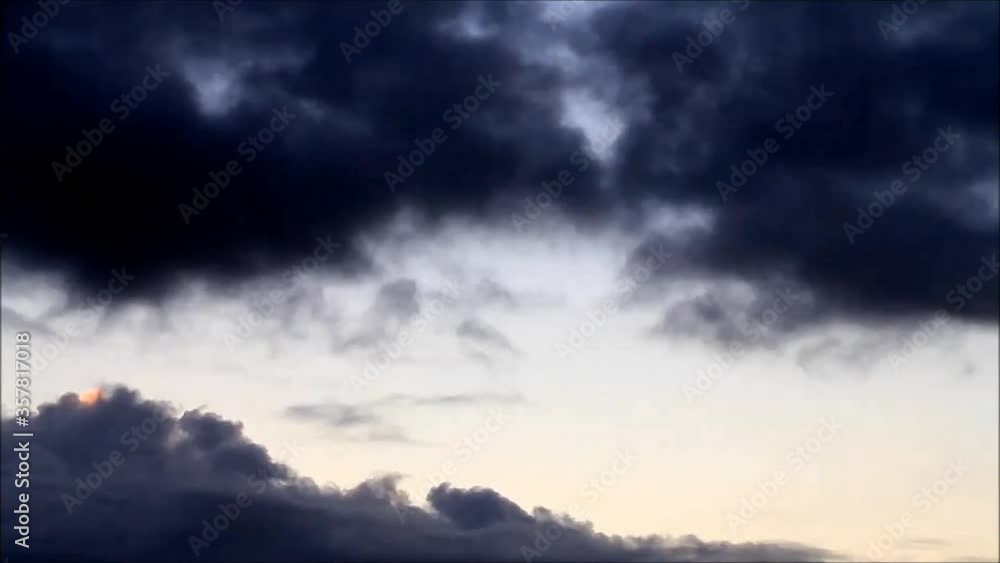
point(484, 333)
point(369, 422)
point(360, 423)
point(684, 131)
point(488, 292)
point(397, 299)
point(333, 414)
point(175, 481)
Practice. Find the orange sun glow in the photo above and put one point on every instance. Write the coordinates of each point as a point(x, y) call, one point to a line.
point(91, 396)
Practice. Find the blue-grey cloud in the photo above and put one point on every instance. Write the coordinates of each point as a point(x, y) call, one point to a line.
point(162, 498)
point(891, 99)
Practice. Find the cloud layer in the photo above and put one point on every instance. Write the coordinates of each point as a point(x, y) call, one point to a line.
point(873, 102)
point(173, 482)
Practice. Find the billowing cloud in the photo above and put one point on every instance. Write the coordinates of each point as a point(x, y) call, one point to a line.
point(850, 109)
point(129, 479)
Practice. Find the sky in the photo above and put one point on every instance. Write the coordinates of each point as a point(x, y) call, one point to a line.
point(507, 281)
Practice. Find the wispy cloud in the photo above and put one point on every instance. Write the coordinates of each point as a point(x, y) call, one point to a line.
point(370, 422)
point(480, 331)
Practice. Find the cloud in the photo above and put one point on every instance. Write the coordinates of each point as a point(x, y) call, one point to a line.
point(367, 422)
point(359, 423)
point(366, 114)
point(169, 489)
point(397, 299)
point(474, 509)
point(324, 175)
point(333, 414)
point(787, 221)
point(484, 333)
point(489, 291)
point(394, 303)
point(455, 399)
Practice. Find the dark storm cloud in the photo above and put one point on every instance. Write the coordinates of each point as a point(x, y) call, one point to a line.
point(169, 488)
point(785, 225)
point(323, 174)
